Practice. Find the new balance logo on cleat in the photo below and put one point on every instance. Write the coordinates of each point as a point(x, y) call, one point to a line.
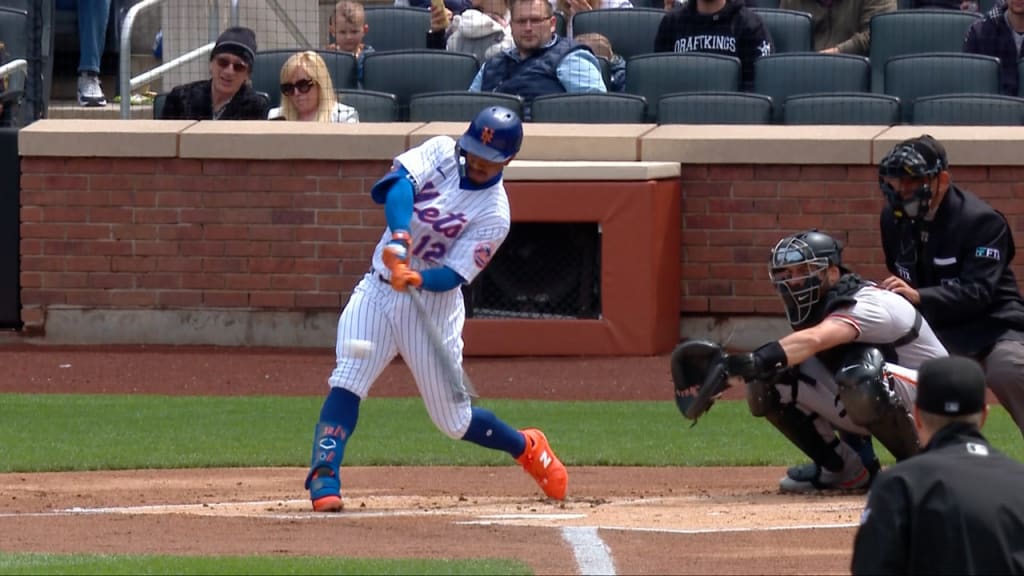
point(545, 459)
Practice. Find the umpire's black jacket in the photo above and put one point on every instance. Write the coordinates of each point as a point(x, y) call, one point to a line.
point(957, 507)
point(969, 294)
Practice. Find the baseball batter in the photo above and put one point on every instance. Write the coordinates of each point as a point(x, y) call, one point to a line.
point(447, 214)
point(854, 351)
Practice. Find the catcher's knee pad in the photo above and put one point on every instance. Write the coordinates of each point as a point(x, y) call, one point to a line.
point(870, 401)
point(862, 385)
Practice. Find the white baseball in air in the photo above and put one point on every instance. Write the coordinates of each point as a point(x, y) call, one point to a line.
point(356, 348)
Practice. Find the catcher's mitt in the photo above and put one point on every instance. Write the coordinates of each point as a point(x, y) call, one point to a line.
point(698, 373)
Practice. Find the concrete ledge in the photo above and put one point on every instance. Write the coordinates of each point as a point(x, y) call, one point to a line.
point(298, 330)
point(102, 138)
point(593, 142)
point(275, 140)
point(524, 170)
point(191, 327)
point(744, 144)
point(741, 333)
point(965, 145)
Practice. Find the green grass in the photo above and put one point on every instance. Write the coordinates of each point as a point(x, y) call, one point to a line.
point(118, 564)
point(61, 432)
point(102, 432)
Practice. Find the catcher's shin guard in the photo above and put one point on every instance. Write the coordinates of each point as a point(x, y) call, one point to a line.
point(870, 402)
point(797, 426)
point(324, 479)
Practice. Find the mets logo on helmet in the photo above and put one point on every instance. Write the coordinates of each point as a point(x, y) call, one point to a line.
point(482, 254)
point(487, 135)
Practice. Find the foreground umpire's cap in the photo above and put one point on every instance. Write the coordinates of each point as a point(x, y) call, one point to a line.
point(951, 386)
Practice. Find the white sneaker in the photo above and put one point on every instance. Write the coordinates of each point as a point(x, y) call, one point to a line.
point(89, 91)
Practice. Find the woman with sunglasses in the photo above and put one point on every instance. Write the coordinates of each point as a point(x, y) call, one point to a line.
point(308, 93)
point(228, 94)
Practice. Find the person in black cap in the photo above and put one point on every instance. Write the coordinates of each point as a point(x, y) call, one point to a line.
point(228, 94)
point(949, 254)
point(958, 506)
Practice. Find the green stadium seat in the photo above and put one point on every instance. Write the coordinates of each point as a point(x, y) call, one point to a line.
point(654, 75)
point(589, 108)
point(916, 31)
point(791, 30)
point(912, 77)
point(969, 110)
point(783, 75)
point(630, 31)
point(842, 108)
point(714, 108)
point(396, 28)
point(372, 106)
point(458, 106)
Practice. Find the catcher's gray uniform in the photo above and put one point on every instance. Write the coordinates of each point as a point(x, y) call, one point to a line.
point(879, 316)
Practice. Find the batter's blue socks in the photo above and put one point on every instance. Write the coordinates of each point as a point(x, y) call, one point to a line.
point(487, 430)
point(338, 418)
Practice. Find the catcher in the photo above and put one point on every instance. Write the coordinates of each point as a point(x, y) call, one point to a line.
point(849, 366)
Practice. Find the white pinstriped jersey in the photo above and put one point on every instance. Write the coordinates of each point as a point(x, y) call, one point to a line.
point(460, 229)
point(881, 316)
point(451, 227)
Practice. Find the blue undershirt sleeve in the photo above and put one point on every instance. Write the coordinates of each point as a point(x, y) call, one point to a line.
point(440, 279)
point(396, 192)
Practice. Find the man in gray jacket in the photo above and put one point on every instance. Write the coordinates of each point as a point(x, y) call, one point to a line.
point(841, 26)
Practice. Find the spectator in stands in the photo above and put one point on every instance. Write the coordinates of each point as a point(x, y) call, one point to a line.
point(453, 6)
point(724, 27)
point(332, 38)
point(541, 62)
point(308, 92)
point(841, 27)
point(350, 28)
point(92, 37)
point(228, 94)
point(1000, 35)
point(572, 7)
point(483, 31)
point(602, 48)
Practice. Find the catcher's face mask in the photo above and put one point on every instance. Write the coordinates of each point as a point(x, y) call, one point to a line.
point(799, 277)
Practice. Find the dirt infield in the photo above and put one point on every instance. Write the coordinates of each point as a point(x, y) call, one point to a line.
point(617, 520)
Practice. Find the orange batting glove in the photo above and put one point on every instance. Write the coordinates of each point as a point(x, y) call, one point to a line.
point(402, 277)
point(397, 250)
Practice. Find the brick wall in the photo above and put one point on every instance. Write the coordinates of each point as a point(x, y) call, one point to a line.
point(297, 235)
point(732, 215)
point(177, 233)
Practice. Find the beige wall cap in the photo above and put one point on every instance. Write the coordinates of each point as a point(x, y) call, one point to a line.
point(102, 138)
point(759, 144)
point(280, 140)
point(542, 141)
point(965, 145)
point(594, 171)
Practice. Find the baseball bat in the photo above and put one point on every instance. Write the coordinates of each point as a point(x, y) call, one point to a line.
point(457, 378)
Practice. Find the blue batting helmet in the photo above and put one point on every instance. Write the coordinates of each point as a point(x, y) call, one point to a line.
point(494, 135)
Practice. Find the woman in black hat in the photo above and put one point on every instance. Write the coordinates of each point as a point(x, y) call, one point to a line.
point(228, 94)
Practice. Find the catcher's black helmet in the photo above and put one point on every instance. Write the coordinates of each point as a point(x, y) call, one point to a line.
point(797, 267)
